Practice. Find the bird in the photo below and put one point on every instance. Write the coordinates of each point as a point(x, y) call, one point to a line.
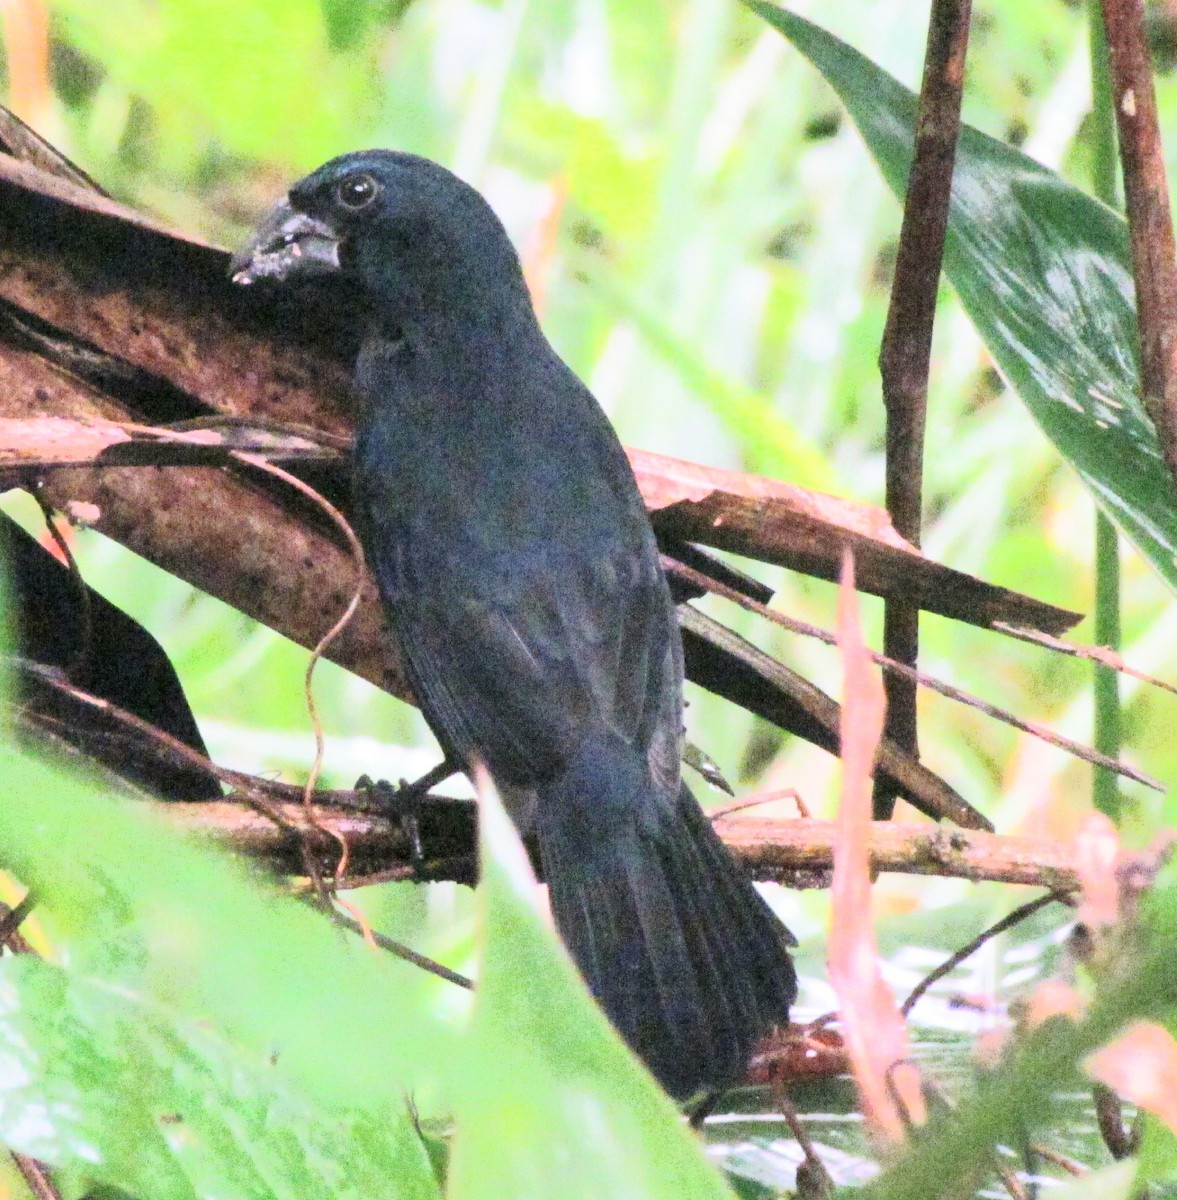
point(520, 577)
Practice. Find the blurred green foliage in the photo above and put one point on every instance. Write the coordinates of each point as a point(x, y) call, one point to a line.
point(244, 1047)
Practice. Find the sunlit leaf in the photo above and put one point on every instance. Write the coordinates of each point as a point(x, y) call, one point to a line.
point(256, 79)
point(135, 903)
point(553, 1104)
point(1042, 270)
point(1116, 1182)
point(104, 1082)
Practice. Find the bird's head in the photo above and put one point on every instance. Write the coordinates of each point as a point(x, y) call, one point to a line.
point(401, 227)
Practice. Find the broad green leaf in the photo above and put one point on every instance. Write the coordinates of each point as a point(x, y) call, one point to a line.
point(137, 904)
point(104, 1082)
point(553, 1104)
point(1042, 270)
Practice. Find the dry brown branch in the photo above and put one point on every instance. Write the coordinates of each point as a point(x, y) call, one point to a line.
point(775, 849)
point(761, 518)
point(1150, 221)
point(104, 315)
point(805, 531)
point(905, 356)
point(35, 445)
point(797, 852)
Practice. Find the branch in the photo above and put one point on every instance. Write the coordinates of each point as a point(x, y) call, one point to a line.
point(797, 852)
point(907, 340)
point(1150, 223)
point(759, 518)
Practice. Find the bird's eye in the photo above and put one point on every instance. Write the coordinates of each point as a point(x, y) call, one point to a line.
point(356, 191)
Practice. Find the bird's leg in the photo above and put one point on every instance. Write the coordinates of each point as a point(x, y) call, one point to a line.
point(701, 1107)
point(402, 803)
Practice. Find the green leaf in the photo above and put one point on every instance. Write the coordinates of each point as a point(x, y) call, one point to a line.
point(237, 74)
point(107, 1083)
point(1117, 1182)
point(135, 903)
point(554, 1104)
point(1158, 1146)
point(1042, 270)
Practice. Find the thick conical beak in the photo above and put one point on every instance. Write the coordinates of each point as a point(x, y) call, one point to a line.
point(287, 244)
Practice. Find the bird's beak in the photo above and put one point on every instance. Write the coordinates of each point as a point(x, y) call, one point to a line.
point(287, 244)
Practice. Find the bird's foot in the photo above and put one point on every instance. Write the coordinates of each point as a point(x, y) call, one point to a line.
point(402, 802)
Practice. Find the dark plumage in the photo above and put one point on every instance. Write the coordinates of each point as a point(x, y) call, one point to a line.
point(521, 577)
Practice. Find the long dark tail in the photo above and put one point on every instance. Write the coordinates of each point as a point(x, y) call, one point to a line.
point(678, 947)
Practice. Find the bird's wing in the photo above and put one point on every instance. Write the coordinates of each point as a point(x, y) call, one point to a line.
point(515, 670)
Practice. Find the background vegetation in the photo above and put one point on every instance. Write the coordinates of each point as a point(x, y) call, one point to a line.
point(711, 246)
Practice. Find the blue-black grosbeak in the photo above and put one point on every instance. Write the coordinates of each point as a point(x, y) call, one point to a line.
point(521, 578)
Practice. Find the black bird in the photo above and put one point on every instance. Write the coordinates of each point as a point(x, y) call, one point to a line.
point(521, 578)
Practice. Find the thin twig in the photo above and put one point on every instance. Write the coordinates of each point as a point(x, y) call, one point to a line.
point(400, 949)
point(895, 1091)
point(1013, 1184)
point(1077, 1169)
point(907, 341)
point(891, 666)
point(169, 748)
point(37, 1176)
point(357, 551)
point(1019, 914)
point(1150, 223)
point(817, 1180)
point(12, 920)
point(441, 869)
point(1104, 655)
point(741, 803)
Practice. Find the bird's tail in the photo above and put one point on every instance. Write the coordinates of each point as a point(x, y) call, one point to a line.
point(679, 948)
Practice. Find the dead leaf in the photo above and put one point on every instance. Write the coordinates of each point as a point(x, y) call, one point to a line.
point(1097, 851)
point(873, 1029)
point(1141, 1066)
point(1051, 999)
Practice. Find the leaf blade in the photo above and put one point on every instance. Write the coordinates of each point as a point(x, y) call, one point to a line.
point(1042, 270)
